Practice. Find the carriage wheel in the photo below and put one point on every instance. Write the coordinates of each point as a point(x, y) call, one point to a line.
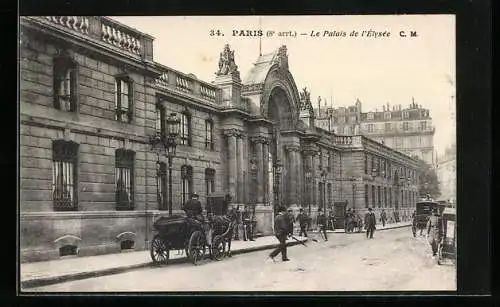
point(196, 247)
point(218, 248)
point(159, 250)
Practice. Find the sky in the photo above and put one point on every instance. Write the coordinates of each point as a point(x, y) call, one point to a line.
point(375, 70)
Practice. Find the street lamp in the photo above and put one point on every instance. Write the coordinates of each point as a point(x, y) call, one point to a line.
point(278, 167)
point(166, 144)
point(308, 180)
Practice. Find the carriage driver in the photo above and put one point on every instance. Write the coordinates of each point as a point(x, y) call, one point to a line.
point(194, 210)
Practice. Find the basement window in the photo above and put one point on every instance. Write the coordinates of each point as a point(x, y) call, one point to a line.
point(68, 250)
point(127, 245)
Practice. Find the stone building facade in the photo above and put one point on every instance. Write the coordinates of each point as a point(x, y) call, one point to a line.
point(447, 174)
point(408, 130)
point(91, 95)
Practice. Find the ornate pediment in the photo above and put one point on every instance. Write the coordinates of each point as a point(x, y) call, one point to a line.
point(227, 65)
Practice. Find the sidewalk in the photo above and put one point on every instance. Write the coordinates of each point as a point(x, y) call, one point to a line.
point(37, 274)
point(378, 226)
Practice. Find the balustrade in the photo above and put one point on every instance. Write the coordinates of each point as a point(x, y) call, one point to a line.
point(112, 34)
point(75, 23)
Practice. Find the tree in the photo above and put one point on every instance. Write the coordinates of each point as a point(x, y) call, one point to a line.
point(428, 181)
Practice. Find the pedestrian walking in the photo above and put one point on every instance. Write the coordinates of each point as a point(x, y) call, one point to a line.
point(370, 221)
point(331, 220)
point(321, 222)
point(383, 217)
point(434, 229)
point(247, 225)
point(414, 223)
point(290, 220)
point(303, 219)
point(281, 231)
point(236, 217)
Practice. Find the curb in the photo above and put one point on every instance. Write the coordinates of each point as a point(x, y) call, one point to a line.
point(46, 281)
point(388, 228)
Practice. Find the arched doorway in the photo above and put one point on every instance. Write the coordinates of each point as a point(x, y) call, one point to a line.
point(281, 115)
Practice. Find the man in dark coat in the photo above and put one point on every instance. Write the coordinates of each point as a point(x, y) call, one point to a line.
point(236, 217)
point(370, 221)
point(383, 217)
point(247, 225)
point(194, 210)
point(281, 231)
point(303, 219)
point(434, 230)
point(291, 221)
point(321, 222)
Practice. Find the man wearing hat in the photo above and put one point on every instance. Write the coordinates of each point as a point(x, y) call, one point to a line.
point(291, 220)
point(370, 221)
point(321, 222)
point(434, 229)
point(281, 231)
point(303, 219)
point(194, 210)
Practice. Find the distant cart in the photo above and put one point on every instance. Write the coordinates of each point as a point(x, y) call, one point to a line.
point(447, 248)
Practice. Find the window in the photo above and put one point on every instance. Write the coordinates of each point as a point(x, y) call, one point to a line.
point(406, 114)
point(124, 176)
point(68, 250)
point(379, 197)
point(185, 128)
point(385, 197)
point(330, 161)
point(367, 203)
point(373, 196)
point(209, 181)
point(320, 159)
point(423, 126)
point(187, 182)
point(388, 127)
point(353, 119)
point(366, 164)
point(405, 126)
point(387, 115)
point(390, 197)
point(370, 115)
point(209, 134)
point(161, 177)
point(370, 127)
point(123, 99)
point(127, 244)
point(160, 120)
point(64, 175)
point(65, 84)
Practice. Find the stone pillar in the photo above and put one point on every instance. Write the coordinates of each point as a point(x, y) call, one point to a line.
point(232, 162)
point(240, 169)
point(260, 170)
point(265, 171)
point(293, 183)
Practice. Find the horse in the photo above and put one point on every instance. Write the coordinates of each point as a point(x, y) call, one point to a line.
point(223, 226)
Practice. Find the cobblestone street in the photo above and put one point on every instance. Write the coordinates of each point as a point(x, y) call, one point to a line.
point(392, 261)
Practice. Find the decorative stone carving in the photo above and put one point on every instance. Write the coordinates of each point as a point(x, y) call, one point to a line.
point(233, 132)
point(253, 87)
point(259, 139)
point(281, 59)
point(305, 100)
point(227, 66)
point(291, 148)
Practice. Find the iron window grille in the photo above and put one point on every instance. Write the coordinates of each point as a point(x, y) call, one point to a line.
point(209, 134)
point(64, 175)
point(124, 175)
point(65, 84)
point(187, 182)
point(162, 187)
point(209, 181)
point(123, 99)
point(185, 137)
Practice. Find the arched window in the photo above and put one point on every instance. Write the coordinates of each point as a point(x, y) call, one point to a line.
point(65, 83)
point(186, 182)
point(185, 128)
point(64, 175)
point(209, 181)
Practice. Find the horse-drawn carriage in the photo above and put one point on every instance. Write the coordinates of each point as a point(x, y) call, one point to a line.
point(447, 248)
point(179, 232)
